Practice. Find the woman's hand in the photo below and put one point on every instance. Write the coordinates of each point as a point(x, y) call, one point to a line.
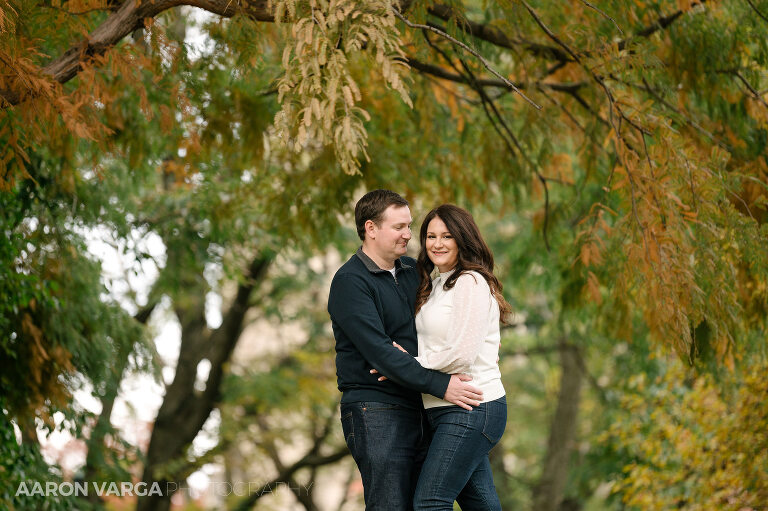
point(374, 371)
point(381, 378)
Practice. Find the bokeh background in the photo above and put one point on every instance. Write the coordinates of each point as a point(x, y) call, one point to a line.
point(177, 182)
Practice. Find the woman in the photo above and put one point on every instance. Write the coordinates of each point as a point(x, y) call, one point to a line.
point(457, 322)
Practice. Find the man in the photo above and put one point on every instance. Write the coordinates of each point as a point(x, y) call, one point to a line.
point(371, 304)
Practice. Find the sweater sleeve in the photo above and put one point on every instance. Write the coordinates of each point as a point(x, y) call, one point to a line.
point(467, 329)
point(351, 306)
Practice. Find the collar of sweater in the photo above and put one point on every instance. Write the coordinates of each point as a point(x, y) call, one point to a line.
point(444, 275)
point(373, 267)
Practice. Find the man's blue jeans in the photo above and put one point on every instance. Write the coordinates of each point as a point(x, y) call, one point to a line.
point(457, 466)
point(388, 443)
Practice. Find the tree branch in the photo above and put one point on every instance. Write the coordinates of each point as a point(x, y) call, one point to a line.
point(485, 63)
point(488, 102)
point(749, 86)
point(688, 120)
point(565, 111)
point(659, 24)
point(309, 460)
point(130, 15)
point(611, 104)
point(495, 36)
point(127, 18)
point(443, 73)
point(754, 7)
point(599, 11)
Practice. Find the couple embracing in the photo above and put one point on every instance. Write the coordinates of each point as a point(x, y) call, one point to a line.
point(416, 358)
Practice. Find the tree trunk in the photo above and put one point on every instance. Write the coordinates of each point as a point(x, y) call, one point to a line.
point(548, 493)
point(95, 443)
point(184, 409)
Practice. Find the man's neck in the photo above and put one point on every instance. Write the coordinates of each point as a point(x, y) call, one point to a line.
point(382, 263)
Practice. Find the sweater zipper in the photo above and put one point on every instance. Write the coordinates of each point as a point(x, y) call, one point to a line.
point(402, 297)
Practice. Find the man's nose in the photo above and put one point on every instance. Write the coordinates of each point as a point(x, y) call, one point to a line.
point(407, 233)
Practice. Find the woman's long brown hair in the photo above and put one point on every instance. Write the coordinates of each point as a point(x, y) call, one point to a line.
point(474, 255)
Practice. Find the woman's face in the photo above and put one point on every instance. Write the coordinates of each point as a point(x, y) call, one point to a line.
point(440, 245)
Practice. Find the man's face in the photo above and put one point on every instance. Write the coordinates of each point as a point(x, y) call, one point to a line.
point(390, 238)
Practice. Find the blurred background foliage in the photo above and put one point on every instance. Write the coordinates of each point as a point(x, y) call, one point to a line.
point(627, 216)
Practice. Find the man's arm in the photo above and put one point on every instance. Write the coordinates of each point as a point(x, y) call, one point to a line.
point(458, 393)
point(362, 325)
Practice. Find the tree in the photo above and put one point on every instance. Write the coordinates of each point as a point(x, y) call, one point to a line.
point(698, 447)
point(651, 103)
point(642, 173)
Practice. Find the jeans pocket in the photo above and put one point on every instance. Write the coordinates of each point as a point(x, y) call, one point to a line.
point(348, 427)
point(375, 406)
point(495, 420)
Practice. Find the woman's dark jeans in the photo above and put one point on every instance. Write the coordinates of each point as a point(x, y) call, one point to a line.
point(388, 443)
point(456, 467)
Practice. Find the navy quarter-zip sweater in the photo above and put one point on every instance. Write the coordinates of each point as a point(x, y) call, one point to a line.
point(369, 309)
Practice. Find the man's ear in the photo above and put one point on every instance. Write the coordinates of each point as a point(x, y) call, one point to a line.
point(370, 228)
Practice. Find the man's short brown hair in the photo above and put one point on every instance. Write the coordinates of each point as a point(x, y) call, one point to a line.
point(372, 205)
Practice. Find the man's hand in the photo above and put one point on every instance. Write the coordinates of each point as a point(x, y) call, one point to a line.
point(463, 394)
